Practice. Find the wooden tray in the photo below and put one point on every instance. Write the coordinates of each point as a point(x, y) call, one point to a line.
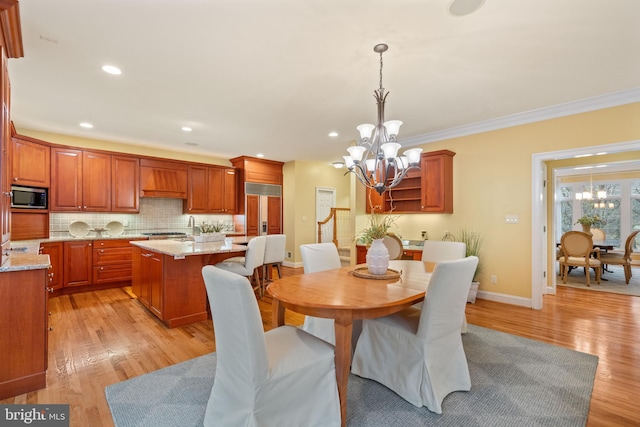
point(363, 272)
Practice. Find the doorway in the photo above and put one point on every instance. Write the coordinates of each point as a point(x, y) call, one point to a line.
point(539, 220)
point(325, 200)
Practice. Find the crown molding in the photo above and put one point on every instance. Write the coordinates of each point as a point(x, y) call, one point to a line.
point(581, 106)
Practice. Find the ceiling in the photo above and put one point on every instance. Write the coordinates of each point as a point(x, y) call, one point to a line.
point(275, 77)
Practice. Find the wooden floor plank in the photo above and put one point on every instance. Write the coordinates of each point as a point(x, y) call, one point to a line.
point(107, 336)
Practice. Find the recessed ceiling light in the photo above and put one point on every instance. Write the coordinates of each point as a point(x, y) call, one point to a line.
point(260, 155)
point(86, 125)
point(186, 128)
point(111, 69)
point(333, 134)
point(193, 144)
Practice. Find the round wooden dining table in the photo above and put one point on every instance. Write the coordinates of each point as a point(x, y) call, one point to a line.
point(340, 295)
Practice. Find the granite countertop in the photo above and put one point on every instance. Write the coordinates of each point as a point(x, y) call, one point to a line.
point(178, 248)
point(25, 261)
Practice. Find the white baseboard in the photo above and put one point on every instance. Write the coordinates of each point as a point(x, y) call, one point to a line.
point(507, 299)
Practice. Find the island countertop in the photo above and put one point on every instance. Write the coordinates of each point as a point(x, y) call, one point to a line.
point(187, 248)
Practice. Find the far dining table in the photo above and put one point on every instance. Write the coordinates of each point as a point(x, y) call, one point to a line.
point(339, 294)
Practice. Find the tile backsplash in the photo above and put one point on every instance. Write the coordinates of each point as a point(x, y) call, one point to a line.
point(155, 214)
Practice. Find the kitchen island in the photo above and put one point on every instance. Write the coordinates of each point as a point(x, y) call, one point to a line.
point(167, 276)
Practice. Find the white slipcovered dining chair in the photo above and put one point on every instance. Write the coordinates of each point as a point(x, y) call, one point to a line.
point(283, 377)
point(249, 264)
point(320, 257)
point(435, 251)
point(273, 255)
point(418, 353)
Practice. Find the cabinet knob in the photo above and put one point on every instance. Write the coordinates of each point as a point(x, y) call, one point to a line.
point(90, 244)
point(50, 328)
point(101, 251)
point(50, 290)
point(15, 179)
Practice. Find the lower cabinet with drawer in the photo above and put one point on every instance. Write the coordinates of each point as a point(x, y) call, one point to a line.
point(111, 261)
point(93, 264)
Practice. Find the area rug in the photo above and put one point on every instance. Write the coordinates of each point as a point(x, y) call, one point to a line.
point(515, 382)
point(615, 282)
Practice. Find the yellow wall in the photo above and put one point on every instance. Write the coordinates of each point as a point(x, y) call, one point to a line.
point(492, 178)
point(299, 192)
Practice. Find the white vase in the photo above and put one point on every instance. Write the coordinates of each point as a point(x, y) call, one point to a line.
point(378, 257)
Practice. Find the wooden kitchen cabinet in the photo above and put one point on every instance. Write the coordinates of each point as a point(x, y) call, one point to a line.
point(211, 190)
point(81, 181)
point(197, 190)
point(259, 170)
point(274, 215)
point(252, 208)
point(111, 261)
point(125, 184)
point(5, 157)
point(148, 279)
point(437, 181)
point(55, 250)
point(24, 326)
point(77, 263)
point(31, 162)
point(222, 190)
point(428, 190)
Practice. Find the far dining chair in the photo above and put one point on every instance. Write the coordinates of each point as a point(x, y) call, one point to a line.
point(249, 264)
point(578, 251)
point(418, 353)
point(320, 257)
point(435, 251)
point(273, 255)
point(282, 377)
point(394, 246)
point(622, 258)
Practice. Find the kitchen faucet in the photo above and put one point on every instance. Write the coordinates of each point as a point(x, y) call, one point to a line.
point(192, 224)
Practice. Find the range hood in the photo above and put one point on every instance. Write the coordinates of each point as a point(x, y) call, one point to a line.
point(163, 179)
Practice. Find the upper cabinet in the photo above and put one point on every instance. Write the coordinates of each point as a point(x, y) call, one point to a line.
point(259, 170)
point(159, 178)
point(125, 184)
point(437, 181)
point(81, 181)
point(30, 162)
point(222, 190)
point(211, 189)
point(428, 190)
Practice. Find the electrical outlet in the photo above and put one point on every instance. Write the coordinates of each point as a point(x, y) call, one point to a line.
point(494, 279)
point(288, 254)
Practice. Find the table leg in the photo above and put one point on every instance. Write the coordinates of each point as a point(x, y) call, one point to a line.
point(277, 313)
point(343, 330)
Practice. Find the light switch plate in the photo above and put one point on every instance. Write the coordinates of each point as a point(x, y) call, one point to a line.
point(511, 219)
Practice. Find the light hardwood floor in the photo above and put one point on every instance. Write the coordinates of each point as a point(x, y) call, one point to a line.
point(104, 337)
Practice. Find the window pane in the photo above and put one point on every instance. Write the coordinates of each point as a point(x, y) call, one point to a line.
point(566, 211)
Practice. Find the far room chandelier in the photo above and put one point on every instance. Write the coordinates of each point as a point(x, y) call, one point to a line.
point(375, 159)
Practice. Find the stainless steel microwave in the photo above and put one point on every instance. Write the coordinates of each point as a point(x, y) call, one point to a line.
point(28, 197)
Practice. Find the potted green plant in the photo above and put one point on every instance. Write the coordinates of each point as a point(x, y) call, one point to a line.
point(588, 221)
point(473, 241)
point(377, 228)
point(210, 232)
